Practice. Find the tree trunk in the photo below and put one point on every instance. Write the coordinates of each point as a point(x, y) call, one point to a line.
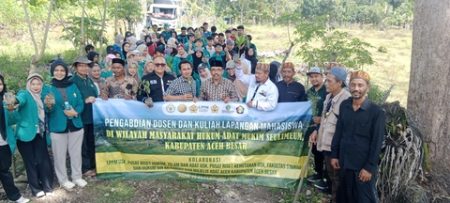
point(30, 28)
point(105, 5)
point(429, 92)
point(83, 38)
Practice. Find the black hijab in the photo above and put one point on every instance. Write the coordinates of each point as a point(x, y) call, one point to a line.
point(2, 111)
point(123, 50)
point(196, 61)
point(65, 82)
point(253, 60)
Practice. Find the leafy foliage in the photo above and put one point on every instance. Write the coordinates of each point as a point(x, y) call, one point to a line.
point(92, 31)
point(334, 46)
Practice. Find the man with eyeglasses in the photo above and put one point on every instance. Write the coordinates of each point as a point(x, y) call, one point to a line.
point(158, 82)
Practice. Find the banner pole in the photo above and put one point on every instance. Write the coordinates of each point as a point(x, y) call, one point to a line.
point(302, 178)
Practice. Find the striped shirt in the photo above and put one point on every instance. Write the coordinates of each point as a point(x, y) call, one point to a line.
point(215, 92)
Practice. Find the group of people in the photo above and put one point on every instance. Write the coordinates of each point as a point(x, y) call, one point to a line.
point(194, 65)
point(346, 135)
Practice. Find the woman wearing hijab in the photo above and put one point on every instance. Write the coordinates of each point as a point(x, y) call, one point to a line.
point(31, 137)
point(250, 55)
point(197, 59)
point(125, 49)
point(7, 145)
point(65, 125)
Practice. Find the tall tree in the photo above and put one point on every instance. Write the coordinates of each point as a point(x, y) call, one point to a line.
point(429, 91)
point(38, 50)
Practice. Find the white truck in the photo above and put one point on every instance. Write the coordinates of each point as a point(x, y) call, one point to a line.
point(162, 12)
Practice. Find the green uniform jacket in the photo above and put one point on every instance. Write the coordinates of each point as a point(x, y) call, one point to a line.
point(57, 121)
point(9, 121)
point(27, 119)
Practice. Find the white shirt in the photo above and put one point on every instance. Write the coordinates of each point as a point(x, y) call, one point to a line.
point(264, 95)
point(2, 141)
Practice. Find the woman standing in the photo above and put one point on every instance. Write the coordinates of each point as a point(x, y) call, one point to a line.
point(31, 138)
point(7, 144)
point(65, 125)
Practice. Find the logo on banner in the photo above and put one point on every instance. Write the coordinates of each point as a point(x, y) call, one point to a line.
point(193, 108)
point(240, 109)
point(182, 108)
point(215, 108)
point(170, 108)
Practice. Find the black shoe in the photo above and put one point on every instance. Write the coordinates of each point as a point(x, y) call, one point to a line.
point(321, 185)
point(314, 178)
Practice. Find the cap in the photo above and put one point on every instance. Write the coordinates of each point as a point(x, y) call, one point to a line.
point(339, 73)
point(314, 70)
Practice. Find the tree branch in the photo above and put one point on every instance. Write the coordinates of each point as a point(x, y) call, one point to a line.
point(47, 27)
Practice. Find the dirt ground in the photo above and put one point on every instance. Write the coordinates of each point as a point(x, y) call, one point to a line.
point(170, 191)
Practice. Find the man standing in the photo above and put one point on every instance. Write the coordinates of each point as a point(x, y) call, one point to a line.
point(289, 89)
point(218, 88)
point(316, 95)
point(323, 137)
point(120, 86)
point(184, 87)
point(262, 94)
point(357, 143)
point(89, 92)
point(158, 81)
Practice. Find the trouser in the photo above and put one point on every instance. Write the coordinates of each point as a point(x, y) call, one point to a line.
point(88, 150)
point(318, 161)
point(318, 156)
point(61, 143)
point(6, 177)
point(333, 176)
point(37, 164)
point(352, 190)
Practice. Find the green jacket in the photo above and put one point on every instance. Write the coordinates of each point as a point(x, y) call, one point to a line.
point(27, 119)
point(57, 121)
point(87, 89)
point(10, 121)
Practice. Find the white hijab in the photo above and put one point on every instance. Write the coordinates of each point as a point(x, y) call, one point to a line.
point(37, 98)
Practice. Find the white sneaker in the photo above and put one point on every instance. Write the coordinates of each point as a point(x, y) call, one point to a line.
point(80, 182)
point(68, 185)
point(40, 194)
point(22, 200)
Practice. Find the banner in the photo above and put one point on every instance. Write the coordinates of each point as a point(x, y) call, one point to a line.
point(201, 140)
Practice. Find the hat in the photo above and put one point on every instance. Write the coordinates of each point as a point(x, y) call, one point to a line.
point(118, 60)
point(82, 59)
point(229, 42)
point(360, 74)
point(231, 64)
point(216, 63)
point(314, 70)
point(34, 75)
point(339, 73)
point(58, 62)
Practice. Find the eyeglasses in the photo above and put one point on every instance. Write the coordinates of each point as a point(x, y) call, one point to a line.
point(160, 64)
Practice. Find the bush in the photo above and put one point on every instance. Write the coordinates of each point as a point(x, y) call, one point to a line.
point(15, 68)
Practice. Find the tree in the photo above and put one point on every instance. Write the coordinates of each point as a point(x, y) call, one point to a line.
point(38, 50)
point(429, 92)
point(128, 10)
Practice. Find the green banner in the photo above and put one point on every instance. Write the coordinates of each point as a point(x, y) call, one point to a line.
point(210, 141)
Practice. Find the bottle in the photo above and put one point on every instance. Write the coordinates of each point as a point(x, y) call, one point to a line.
point(68, 107)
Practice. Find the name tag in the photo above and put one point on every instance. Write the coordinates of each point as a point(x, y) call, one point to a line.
point(153, 82)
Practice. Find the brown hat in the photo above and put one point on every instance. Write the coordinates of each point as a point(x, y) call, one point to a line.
point(360, 74)
point(82, 59)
